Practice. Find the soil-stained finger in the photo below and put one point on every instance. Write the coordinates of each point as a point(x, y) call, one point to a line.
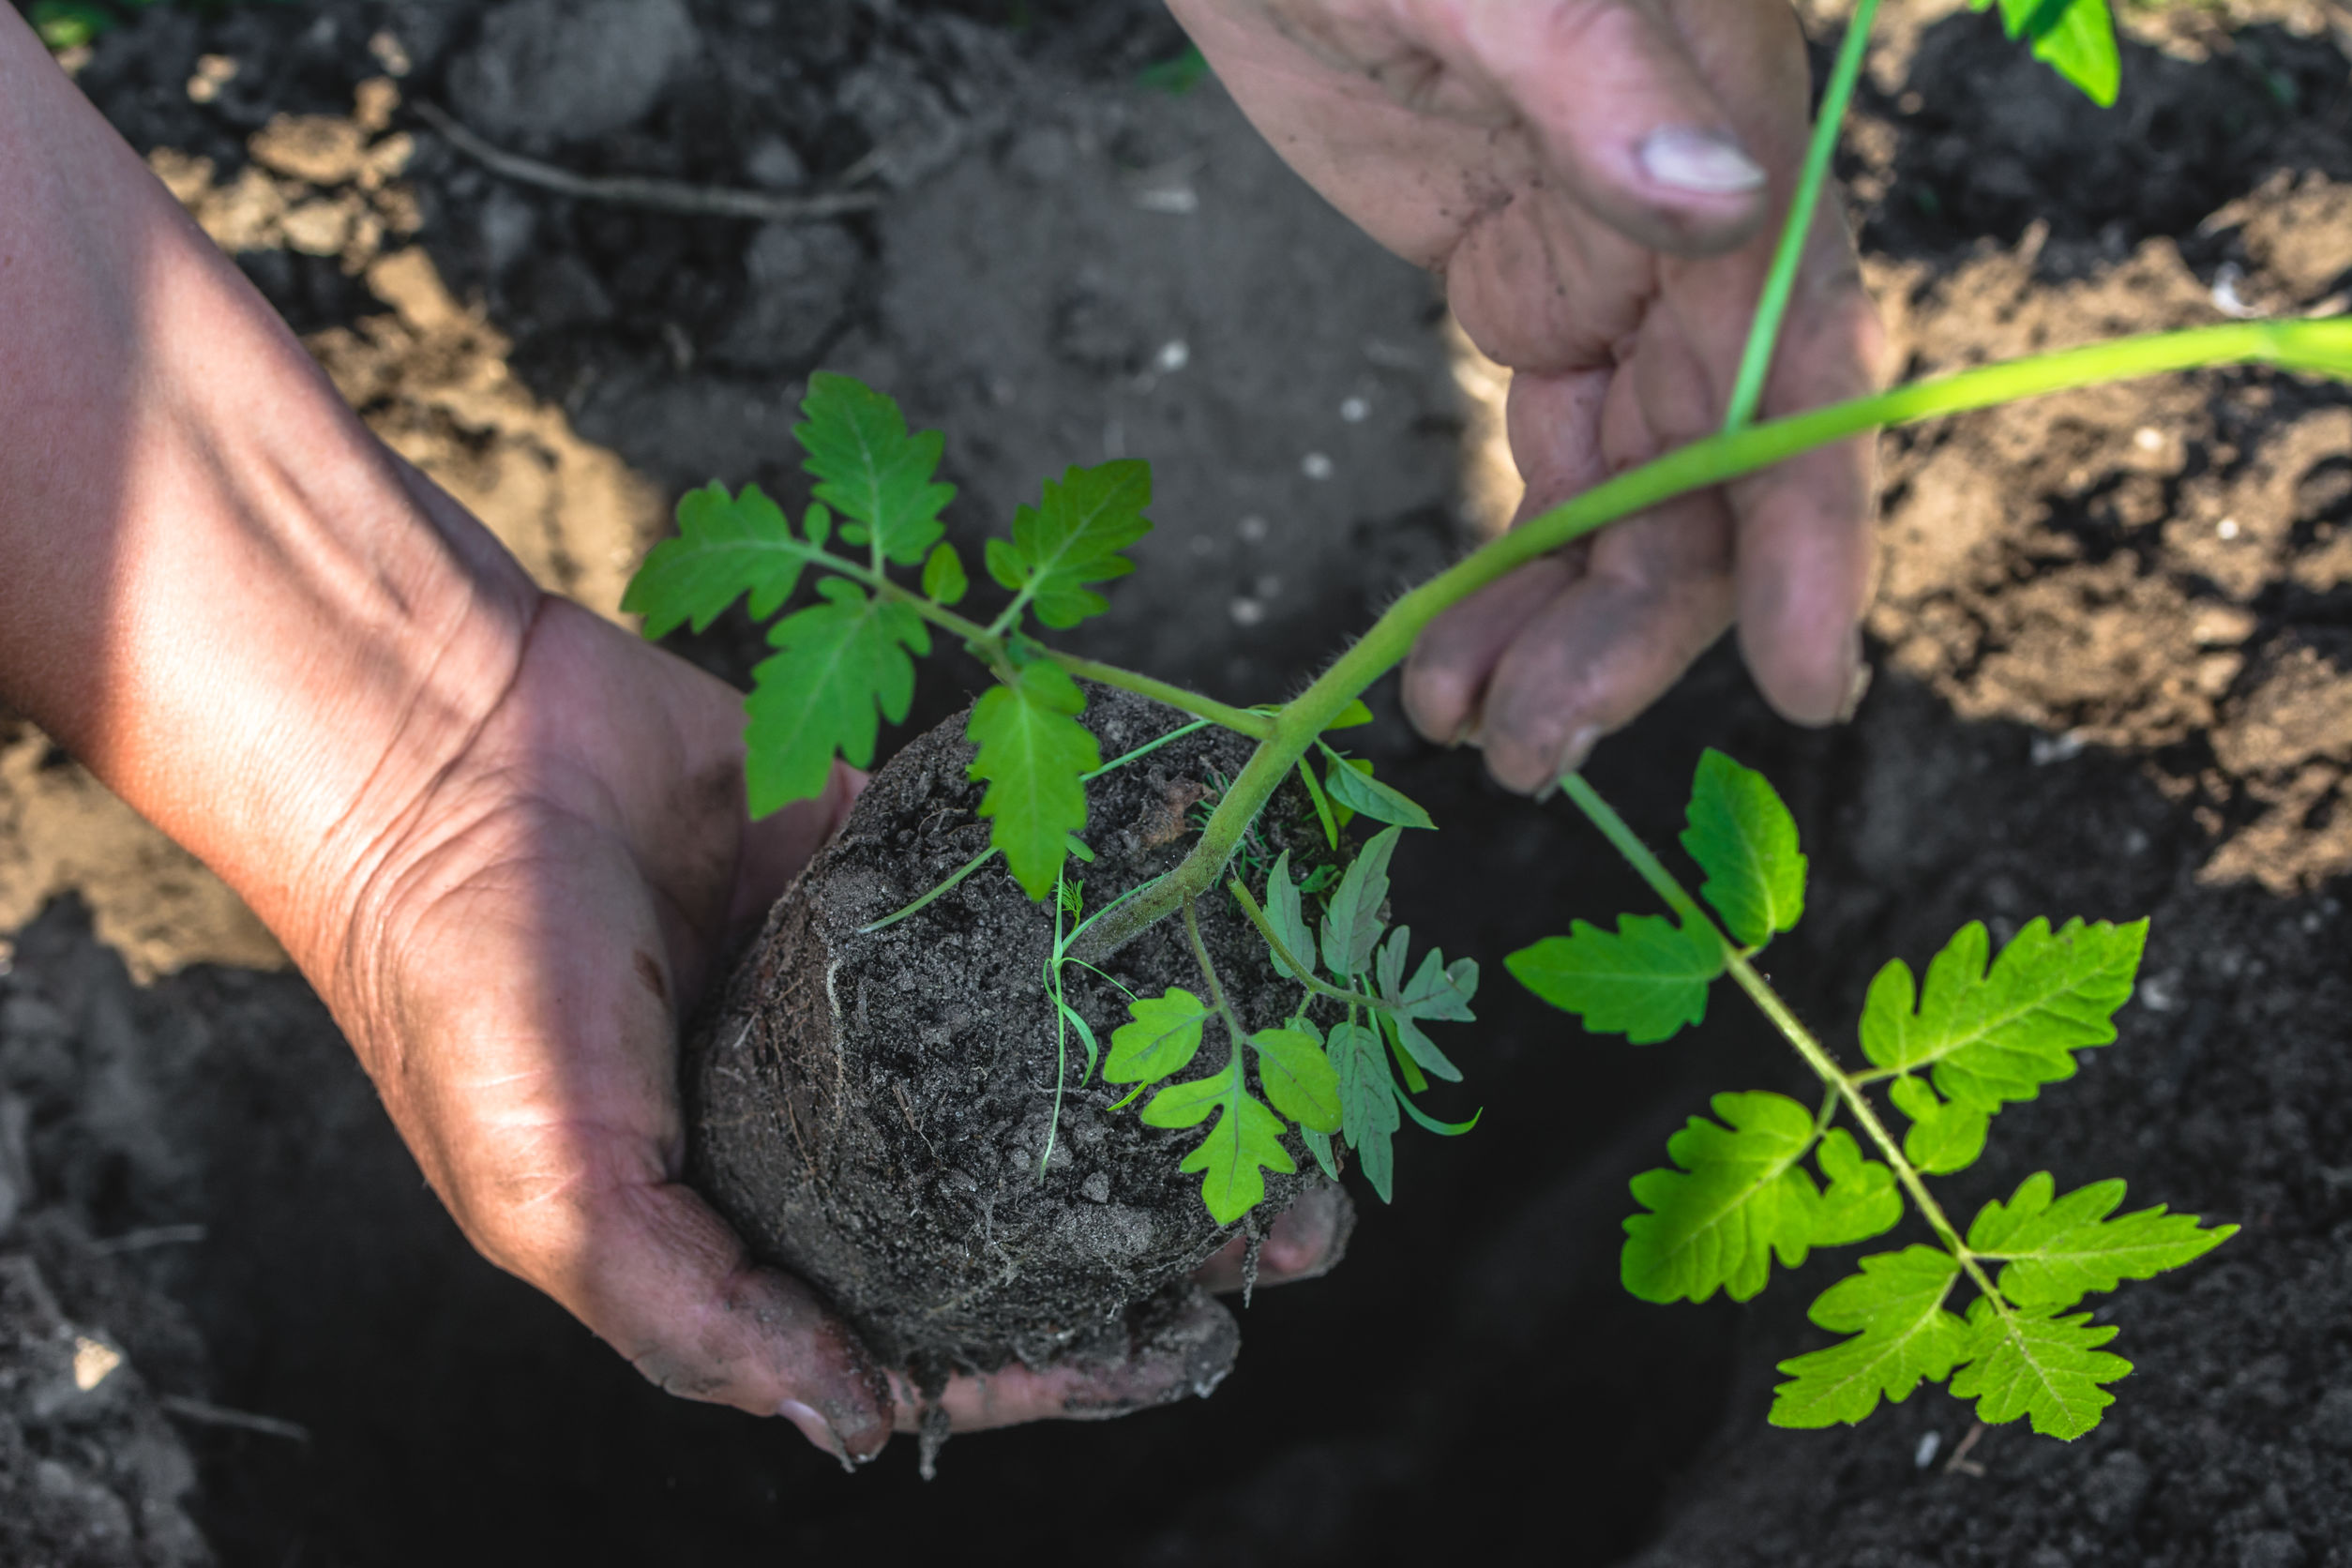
point(1306, 1241)
point(1657, 593)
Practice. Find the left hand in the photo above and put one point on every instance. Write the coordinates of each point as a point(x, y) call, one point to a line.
point(1596, 181)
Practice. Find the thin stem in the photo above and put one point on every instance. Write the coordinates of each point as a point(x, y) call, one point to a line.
point(1146, 749)
point(1306, 973)
point(1756, 365)
point(1241, 720)
point(1217, 990)
point(967, 868)
point(2314, 347)
point(1784, 1017)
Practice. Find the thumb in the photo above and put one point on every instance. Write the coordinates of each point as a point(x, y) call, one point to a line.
point(1622, 112)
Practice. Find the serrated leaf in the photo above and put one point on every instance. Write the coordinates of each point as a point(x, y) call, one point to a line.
point(1743, 837)
point(869, 468)
point(1288, 919)
point(1903, 1336)
point(1994, 1037)
point(1299, 1078)
point(2032, 1363)
point(1944, 1137)
point(1367, 1106)
point(840, 667)
point(2074, 37)
point(726, 547)
point(1739, 1197)
point(1004, 563)
point(1352, 915)
point(1073, 538)
point(1860, 1201)
point(1243, 1143)
point(1644, 981)
point(944, 579)
point(1436, 991)
point(2059, 1250)
point(1160, 1042)
point(1035, 755)
point(1360, 791)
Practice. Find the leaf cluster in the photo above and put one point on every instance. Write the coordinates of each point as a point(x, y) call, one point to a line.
point(1337, 1080)
point(845, 664)
point(1766, 1178)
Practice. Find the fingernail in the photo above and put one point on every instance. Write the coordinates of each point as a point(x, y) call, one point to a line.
point(817, 1430)
point(1704, 162)
point(1579, 746)
point(1467, 735)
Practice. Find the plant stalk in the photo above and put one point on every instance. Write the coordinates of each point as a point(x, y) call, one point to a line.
point(2314, 347)
point(1771, 311)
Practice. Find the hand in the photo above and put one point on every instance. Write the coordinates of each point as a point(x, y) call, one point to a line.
point(1597, 182)
point(511, 971)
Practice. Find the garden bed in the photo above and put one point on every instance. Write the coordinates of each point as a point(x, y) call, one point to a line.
point(2114, 682)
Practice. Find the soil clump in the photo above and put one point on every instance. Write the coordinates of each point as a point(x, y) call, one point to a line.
point(901, 1116)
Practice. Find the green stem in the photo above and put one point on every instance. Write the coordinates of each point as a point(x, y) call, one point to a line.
point(1306, 973)
point(2314, 347)
point(1756, 365)
point(1846, 1086)
point(1233, 1029)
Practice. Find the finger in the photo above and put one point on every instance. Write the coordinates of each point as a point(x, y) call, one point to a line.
point(1307, 1241)
point(1656, 594)
point(774, 847)
point(1623, 113)
point(1176, 1349)
point(1555, 431)
point(664, 1281)
point(1806, 546)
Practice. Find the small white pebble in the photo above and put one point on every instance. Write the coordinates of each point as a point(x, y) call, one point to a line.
point(93, 1362)
point(1929, 1443)
point(2226, 528)
point(1252, 530)
point(2149, 439)
point(1355, 411)
point(1316, 465)
point(1174, 356)
point(1246, 613)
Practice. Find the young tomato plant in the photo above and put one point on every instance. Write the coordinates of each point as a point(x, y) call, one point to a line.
point(1342, 1071)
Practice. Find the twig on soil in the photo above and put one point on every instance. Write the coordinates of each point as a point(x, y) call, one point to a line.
point(208, 1414)
point(1960, 1464)
point(638, 191)
point(154, 1235)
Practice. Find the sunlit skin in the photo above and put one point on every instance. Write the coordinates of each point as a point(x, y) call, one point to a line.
point(505, 840)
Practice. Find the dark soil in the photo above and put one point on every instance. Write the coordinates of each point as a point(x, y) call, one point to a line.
point(2095, 699)
point(870, 1108)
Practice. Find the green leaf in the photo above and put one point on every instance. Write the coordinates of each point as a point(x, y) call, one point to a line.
point(1299, 1078)
point(1288, 919)
point(2074, 37)
point(839, 665)
point(1944, 1137)
point(726, 547)
point(1352, 915)
point(1004, 563)
point(1739, 1197)
point(1074, 536)
point(2035, 1364)
point(1645, 981)
point(1861, 1200)
point(1244, 1143)
point(1353, 716)
point(1367, 1106)
point(944, 579)
point(1318, 1145)
point(1323, 805)
point(869, 468)
point(1991, 1038)
point(1903, 1336)
point(1161, 1042)
point(1035, 755)
point(1436, 991)
point(2059, 1251)
point(1743, 837)
point(1361, 791)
